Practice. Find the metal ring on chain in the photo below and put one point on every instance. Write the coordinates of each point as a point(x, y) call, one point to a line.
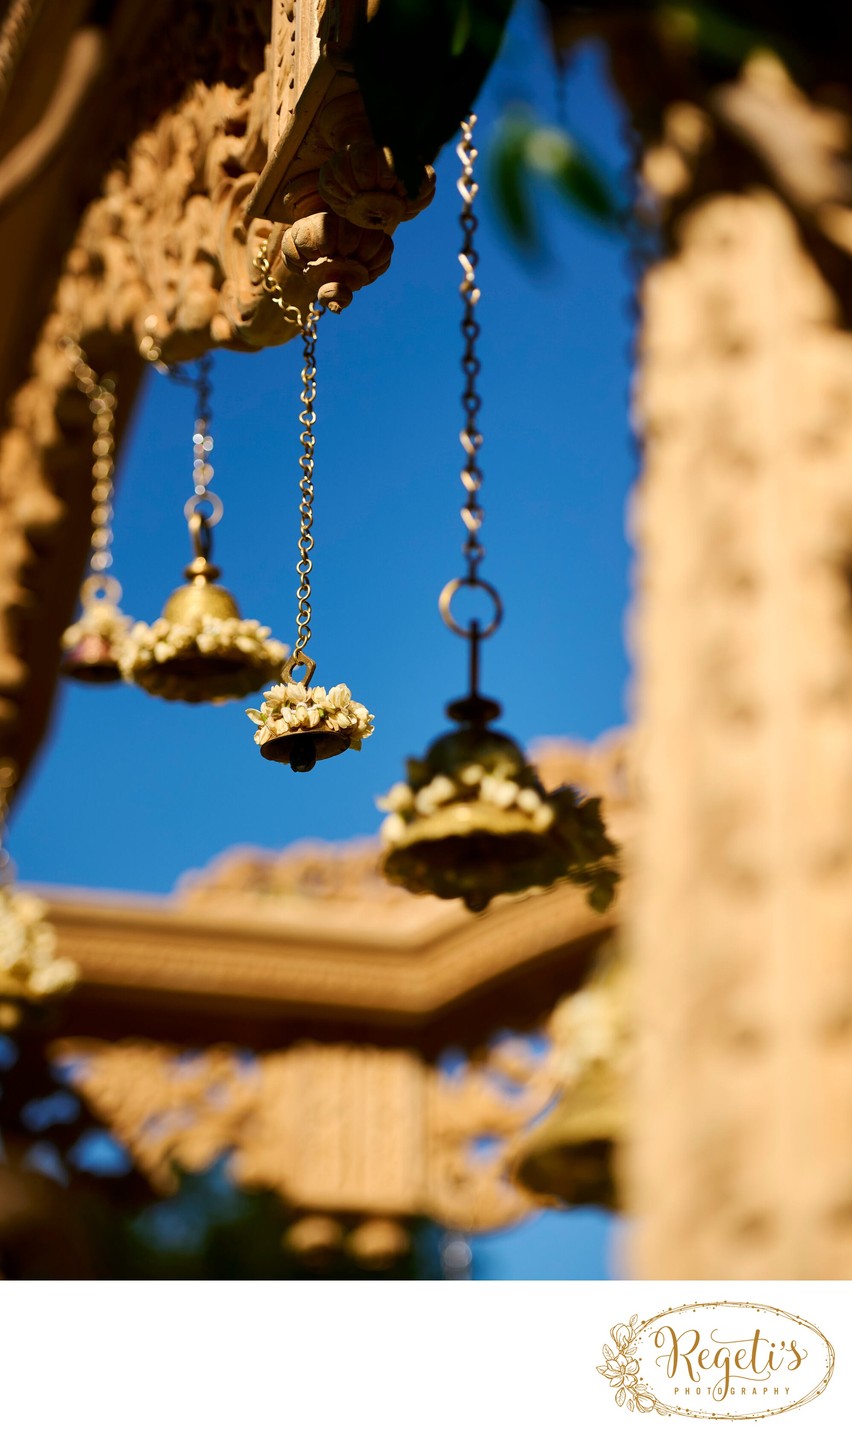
point(448, 594)
point(100, 589)
point(194, 503)
point(298, 660)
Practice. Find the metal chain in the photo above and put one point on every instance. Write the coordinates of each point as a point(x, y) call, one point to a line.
point(306, 484)
point(471, 476)
point(202, 439)
point(102, 402)
point(307, 417)
point(200, 523)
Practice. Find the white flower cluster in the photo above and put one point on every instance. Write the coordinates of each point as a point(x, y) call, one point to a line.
point(29, 966)
point(150, 647)
point(295, 708)
point(586, 1028)
point(98, 620)
point(471, 784)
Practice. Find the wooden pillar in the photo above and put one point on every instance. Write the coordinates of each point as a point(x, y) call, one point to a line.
point(741, 931)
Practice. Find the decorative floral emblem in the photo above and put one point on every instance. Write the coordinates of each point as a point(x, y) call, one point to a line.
point(621, 1368)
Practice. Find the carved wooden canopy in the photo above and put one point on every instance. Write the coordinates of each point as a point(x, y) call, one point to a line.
point(147, 150)
point(295, 1015)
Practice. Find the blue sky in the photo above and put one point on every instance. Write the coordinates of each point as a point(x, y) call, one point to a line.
point(130, 792)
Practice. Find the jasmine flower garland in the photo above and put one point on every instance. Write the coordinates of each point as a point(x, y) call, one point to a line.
point(154, 654)
point(297, 708)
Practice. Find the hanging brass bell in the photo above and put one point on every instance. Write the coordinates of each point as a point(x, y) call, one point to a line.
point(474, 821)
point(92, 646)
point(201, 650)
point(569, 1155)
point(298, 724)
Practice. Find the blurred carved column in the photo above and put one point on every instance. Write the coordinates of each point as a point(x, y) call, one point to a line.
point(741, 930)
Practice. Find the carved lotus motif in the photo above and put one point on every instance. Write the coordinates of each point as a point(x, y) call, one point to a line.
point(344, 256)
point(361, 185)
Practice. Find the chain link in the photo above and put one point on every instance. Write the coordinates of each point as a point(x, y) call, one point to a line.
point(307, 418)
point(200, 522)
point(102, 402)
point(202, 439)
point(471, 475)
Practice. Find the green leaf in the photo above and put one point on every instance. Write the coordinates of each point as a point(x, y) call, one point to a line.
point(509, 181)
point(578, 178)
point(461, 32)
point(523, 152)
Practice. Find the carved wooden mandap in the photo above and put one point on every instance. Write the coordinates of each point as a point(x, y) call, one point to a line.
point(146, 151)
point(372, 1059)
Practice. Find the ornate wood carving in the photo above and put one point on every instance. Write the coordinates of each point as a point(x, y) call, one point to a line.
point(330, 1128)
point(193, 112)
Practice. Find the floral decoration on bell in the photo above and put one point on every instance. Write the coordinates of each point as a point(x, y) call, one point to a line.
point(298, 724)
point(209, 655)
point(474, 821)
point(31, 972)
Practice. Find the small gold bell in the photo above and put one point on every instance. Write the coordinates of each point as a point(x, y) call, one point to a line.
point(299, 725)
point(200, 650)
point(569, 1155)
point(92, 646)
